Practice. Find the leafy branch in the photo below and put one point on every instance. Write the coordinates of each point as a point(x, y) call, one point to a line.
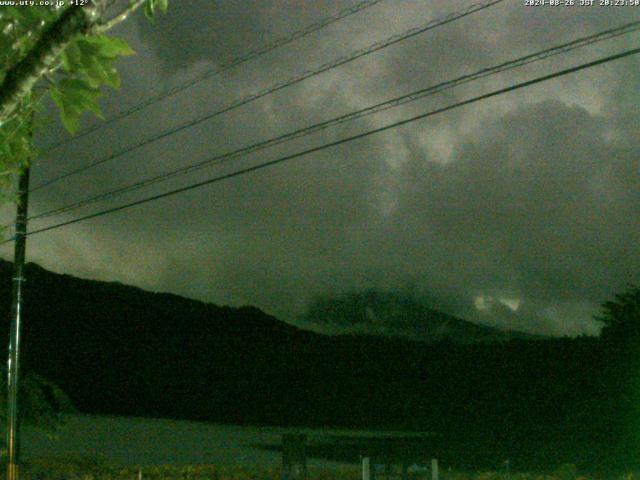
point(20, 79)
point(37, 42)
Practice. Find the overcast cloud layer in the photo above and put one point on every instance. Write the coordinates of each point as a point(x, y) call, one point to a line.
point(520, 211)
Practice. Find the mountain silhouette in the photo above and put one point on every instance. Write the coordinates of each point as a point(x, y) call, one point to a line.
point(400, 315)
point(117, 349)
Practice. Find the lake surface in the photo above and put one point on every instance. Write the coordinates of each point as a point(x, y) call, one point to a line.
point(130, 441)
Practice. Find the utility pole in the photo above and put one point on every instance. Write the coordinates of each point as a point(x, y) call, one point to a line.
point(16, 317)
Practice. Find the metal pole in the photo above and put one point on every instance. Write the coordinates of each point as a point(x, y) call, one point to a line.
point(366, 468)
point(16, 317)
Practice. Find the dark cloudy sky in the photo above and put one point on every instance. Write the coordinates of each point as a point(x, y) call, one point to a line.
point(520, 211)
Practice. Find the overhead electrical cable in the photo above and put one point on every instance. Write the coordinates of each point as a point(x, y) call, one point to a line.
point(279, 86)
point(325, 146)
point(413, 96)
point(235, 62)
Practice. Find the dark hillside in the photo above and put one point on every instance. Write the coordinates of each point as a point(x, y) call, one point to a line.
point(120, 350)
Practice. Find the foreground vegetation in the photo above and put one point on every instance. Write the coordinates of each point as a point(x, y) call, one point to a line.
point(85, 468)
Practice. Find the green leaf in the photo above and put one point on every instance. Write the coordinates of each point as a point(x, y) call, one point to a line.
point(81, 95)
point(151, 6)
point(103, 72)
point(94, 57)
point(74, 97)
point(93, 71)
point(110, 76)
point(110, 47)
point(163, 5)
point(88, 49)
point(70, 117)
point(149, 9)
point(72, 57)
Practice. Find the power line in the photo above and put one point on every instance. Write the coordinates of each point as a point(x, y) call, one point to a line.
point(269, 47)
point(339, 142)
point(410, 97)
point(287, 83)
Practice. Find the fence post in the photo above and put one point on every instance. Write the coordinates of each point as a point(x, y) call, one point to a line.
point(434, 469)
point(366, 468)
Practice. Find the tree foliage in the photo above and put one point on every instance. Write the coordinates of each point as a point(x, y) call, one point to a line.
point(621, 316)
point(88, 64)
point(60, 51)
point(41, 402)
point(619, 369)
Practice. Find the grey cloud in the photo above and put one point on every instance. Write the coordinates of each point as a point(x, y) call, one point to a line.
point(520, 209)
point(530, 200)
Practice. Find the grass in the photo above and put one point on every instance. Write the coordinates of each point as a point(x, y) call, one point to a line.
point(86, 468)
point(92, 468)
